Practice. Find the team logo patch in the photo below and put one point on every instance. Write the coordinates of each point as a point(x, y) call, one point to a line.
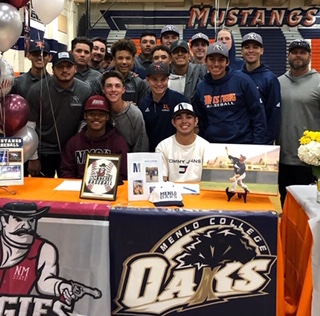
point(205, 261)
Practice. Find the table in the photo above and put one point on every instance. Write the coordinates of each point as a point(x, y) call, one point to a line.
point(300, 234)
point(41, 190)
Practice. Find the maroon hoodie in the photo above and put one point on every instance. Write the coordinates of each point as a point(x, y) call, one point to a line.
point(74, 154)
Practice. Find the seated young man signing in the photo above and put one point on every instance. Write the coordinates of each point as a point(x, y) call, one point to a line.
point(98, 136)
point(183, 152)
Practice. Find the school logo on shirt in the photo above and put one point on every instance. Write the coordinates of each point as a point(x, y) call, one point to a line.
point(165, 108)
point(220, 100)
point(75, 101)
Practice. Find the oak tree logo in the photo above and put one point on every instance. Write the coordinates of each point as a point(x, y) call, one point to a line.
point(205, 261)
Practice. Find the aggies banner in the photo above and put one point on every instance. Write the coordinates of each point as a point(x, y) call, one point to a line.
point(193, 263)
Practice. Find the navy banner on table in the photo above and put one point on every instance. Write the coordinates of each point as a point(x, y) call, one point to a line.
point(194, 263)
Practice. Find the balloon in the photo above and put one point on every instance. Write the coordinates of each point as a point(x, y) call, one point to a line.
point(10, 26)
point(6, 77)
point(47, 10)
point(14, 112)
point(18, 3)
point(30, 141)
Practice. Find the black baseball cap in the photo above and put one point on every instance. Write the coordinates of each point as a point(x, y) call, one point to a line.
point(157, 69)
point(179, 43)
point(62, 56)
point(38, 46)
point(300, 43)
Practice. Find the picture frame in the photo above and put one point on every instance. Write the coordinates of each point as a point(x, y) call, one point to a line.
point(101, 175)
point(261, 168)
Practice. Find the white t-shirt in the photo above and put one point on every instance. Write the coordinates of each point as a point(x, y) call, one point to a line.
point(182, 163)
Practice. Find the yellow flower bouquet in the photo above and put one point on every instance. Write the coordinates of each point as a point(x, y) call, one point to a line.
point(309, 153)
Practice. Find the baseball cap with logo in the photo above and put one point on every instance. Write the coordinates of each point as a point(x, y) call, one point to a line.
point(179, 43)
point(199, 36)
point(299, 43)
point(38, 46)
point(183, 107)
point(166, 194)
point(97, 102)
point(169, 28)
point(218, 48)
point(62, 56)
point(157, 69)
point(252, 37)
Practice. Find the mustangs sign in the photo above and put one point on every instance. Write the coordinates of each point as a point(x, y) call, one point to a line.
point(169, 262)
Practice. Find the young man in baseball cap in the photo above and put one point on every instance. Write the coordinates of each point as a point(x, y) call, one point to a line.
point(39, 55)
point(98, 136)
point(157, 106)
point(199, 45)
point(183, 152)
point(184, 76)
point(227, 102)
point(169, 34)
point(266, 81)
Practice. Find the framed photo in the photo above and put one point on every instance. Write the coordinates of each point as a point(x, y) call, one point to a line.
point(238, 167)
point(100, 179)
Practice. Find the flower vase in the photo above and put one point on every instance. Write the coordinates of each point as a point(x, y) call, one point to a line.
point(316, 173)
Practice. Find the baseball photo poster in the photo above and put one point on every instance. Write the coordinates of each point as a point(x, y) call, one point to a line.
point(144, 172)
point(240, 168)
point(100, 180)
point(11, 161)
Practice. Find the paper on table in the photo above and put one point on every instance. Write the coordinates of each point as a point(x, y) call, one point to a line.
point(188, 188)
point(69, 185)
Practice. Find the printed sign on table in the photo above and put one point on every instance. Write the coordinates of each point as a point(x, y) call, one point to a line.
point(144, 172)
point(11, 161)
point(193, 263)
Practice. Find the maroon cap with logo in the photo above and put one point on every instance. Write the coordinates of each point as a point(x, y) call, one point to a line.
point(97, 102)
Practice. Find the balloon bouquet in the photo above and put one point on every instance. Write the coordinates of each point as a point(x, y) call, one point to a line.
point(14, 109)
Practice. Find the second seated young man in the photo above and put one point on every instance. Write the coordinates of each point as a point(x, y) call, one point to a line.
point(97, 137)
point(157, 107)
point(183, 153)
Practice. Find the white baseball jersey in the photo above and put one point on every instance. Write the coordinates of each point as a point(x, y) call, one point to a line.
point(182, 163)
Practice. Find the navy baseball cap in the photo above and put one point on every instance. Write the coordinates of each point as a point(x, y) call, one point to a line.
point(157, 69)
point(62, 56)
point(38, 46)
point(199, 36)
point(218, 48)
point(169, 29)
point(252, 37)
point(300, 43)
point(179, 43)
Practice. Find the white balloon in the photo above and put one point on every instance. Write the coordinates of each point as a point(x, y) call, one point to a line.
point(47, 10)
point(10, 26)
point(30, 141)
point(6, 77)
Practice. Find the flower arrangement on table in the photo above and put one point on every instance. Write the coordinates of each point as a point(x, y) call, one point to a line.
point(309, 153)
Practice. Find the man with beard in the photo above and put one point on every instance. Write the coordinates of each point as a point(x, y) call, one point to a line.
point(300, 111)
point(56, 110)
point(22, 249)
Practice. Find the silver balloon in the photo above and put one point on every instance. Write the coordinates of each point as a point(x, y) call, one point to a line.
point(30, 141)
point(6, 77)
point(10, 26)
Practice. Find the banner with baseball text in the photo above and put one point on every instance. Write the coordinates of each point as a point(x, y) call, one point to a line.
point(193, 263)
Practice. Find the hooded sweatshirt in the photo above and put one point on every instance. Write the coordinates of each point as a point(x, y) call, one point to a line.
point(300, 111)
point(269, 88)
point(74, 154)
point(229, 109)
